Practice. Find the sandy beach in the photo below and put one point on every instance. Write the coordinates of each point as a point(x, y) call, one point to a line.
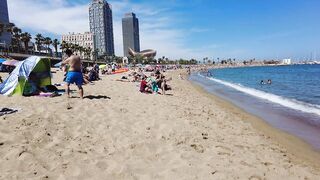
point(116, 132)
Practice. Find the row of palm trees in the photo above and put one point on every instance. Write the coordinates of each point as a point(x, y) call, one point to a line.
point(19, 37)
point(41, 41)
point(85, 52)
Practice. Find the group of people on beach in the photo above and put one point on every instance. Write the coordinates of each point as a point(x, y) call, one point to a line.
point(76, 73)
point(154, 82)
point(262, 82)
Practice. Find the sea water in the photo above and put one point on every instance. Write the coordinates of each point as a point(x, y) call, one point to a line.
point(291, 102)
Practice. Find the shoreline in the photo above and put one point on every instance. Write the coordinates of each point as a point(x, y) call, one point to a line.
point(295, 145)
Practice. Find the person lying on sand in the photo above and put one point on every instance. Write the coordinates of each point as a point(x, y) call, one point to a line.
point(135, 76)
point(124, 79)
point(74, 74)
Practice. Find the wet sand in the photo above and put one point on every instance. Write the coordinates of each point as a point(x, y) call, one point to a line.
point(299, 124)
point(294, 145)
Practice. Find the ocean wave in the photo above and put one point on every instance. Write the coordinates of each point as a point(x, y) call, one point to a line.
point(289, 103)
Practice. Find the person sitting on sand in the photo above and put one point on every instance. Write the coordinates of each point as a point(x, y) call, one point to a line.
point(93, 75)
point(153, 83)
point(180, 76)
point(144, 88)
point(74, 74)
point(188, 70)
point(162, 83)
point(1, 81)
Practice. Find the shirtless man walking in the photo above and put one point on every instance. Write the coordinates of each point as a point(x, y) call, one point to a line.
point(74, 74)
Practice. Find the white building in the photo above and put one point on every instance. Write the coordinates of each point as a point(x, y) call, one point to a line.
point(85, 40)
point(286, 61)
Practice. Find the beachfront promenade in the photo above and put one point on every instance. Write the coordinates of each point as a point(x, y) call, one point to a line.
point(54, 60)
point(116, 132)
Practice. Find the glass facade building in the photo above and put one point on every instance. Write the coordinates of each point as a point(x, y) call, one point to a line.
point(130, 33)
point(4, 19)
point(101, 25)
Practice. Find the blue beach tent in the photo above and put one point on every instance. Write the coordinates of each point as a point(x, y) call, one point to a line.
point(2, 60)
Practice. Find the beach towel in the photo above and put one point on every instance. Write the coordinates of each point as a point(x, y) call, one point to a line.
point(4, 111)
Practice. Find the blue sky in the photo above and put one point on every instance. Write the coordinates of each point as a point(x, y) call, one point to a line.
point(242, 29)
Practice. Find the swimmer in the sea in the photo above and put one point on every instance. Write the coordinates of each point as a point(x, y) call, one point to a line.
point(269, 81)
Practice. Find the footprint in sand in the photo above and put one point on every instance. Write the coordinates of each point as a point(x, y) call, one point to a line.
point(255, 177)
point(199, 148)
point(205, 135)
point(227, 151)
point(69, 106)
point(246, 164)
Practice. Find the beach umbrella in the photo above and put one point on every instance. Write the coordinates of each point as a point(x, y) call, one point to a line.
point(58, 64)
point(10, 62)
point(2, 60)
point(102, 66)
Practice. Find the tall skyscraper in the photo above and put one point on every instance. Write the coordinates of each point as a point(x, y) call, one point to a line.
point(130, 33)
point(4, 20)
point(100, 15)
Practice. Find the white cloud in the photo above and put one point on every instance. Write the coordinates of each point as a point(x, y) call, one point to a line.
point(157, 28)
point(48, 16)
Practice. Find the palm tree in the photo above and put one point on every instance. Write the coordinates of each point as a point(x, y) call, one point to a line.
point(88, 52)
point(63, 45)
point(76, 48)
point(82, 51)
point(16, 34)
point(71, 46)
point(55, 44)
point(6, 28)
point(47, 41)
point(39, 41)
point(2, 27)
point(25, 38)
point(95, 54)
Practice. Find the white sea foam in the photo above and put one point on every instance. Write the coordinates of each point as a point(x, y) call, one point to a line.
point(289, 103)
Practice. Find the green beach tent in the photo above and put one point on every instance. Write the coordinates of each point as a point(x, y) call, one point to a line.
point(28, 74)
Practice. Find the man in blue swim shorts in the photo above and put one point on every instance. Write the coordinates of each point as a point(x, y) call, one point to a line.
point(74, 74)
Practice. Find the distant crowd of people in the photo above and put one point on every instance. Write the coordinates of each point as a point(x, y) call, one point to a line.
point(155, 83)
point(262, 82)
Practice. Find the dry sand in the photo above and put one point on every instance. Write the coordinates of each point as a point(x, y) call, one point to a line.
point(119, 133)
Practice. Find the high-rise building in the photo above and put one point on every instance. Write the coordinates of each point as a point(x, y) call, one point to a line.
point(85, 40)
point(130, 33)
point(5, 37)
point(100, 15)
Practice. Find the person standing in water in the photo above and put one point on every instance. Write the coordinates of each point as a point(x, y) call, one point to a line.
point(269, 81)
point(74, 74)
